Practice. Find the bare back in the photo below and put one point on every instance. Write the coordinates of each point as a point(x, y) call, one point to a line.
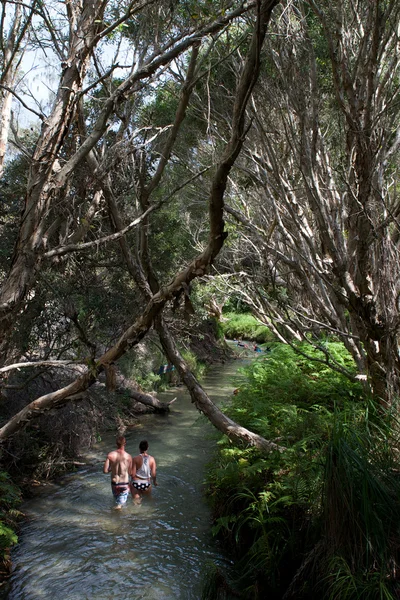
point(119, 463)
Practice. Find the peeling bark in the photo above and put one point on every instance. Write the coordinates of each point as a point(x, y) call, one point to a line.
point(42, 189)
point(320, 213)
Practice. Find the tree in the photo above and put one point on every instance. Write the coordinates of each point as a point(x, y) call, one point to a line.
point(67, 142)
point(12, 46)
point(50, 170)
point(316, 195)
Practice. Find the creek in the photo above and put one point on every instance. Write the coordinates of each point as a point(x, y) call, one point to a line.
point(75, 545)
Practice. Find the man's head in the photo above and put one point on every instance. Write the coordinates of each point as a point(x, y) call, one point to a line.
point(120, 441)
point(143, 446)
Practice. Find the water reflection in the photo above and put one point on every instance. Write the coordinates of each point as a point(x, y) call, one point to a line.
point(76, 546)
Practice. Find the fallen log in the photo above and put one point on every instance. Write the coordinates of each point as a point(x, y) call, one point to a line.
point(146, 399)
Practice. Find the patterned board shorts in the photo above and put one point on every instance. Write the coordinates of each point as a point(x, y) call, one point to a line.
point(120, 492)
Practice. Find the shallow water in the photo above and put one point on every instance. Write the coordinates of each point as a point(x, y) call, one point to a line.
point(75, 545)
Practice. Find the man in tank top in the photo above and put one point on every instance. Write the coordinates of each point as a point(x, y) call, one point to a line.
point(119, 463)
point(143, 471)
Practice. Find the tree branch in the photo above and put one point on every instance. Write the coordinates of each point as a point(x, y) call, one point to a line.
point(40, 115)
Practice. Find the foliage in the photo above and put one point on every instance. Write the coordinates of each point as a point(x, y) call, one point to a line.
point(169, 242)
point(10, 498)
point(245, 326)
point(285, 388)
point(361, 509)
point(235, 303)
point(140, 365)
point(196, 366)
point(322, 515)
point(12, 191)
point(295, 188)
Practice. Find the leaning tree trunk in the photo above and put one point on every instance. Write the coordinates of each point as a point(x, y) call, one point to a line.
point(47, 176)
point(196, 268)
point(204, 404)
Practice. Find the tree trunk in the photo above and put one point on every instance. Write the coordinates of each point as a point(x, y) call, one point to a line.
point(45, 181)
point(42, 189)
point(196, 268)
point(204, 404)
point(7, 79)
point(147, 400)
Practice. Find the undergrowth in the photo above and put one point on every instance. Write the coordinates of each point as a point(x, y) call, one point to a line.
point(321, 517)
point(245, 326)
point(10, 499)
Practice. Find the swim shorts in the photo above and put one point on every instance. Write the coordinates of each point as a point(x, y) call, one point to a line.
point(120, 492)
point(141, 486)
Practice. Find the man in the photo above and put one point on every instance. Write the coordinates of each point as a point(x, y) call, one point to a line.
point(142, 472)
point(119, 463)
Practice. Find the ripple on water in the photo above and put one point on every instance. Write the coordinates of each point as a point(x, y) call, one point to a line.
point(77, 547)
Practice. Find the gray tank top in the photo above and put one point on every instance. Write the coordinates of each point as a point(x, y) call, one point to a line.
point(144, 471)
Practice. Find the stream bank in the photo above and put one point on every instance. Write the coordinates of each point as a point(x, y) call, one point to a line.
point(75, 545)
point(54, 444)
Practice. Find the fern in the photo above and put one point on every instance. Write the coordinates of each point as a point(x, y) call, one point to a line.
point(326, 510)
point(10, 498)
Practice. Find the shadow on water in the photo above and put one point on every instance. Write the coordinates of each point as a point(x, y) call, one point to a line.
point(75, 545)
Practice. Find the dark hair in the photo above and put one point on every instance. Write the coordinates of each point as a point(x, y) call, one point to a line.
point(144, 444)
point(120, 441)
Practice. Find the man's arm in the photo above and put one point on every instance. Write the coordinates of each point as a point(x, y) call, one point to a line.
point(106, 468)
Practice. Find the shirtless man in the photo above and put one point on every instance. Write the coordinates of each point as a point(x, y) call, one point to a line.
point(142, 472)
point(119, 463)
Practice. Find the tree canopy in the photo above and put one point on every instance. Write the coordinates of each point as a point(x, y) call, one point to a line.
point(252, 142)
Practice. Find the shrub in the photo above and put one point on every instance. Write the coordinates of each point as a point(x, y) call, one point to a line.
point(324, 513)
point(10, 499)
point(245, 326)
point(196, 366)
